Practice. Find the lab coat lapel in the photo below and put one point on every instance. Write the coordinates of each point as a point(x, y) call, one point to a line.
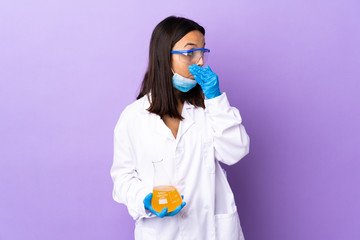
point(187, 114)
point(161, 128)
point(155, 121)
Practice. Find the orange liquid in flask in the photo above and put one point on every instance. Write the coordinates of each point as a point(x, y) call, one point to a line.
point(165, 196)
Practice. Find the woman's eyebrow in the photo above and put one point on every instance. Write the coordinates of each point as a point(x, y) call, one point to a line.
point(192, 44)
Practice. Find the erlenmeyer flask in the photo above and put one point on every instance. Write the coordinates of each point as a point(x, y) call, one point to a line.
point(164, 194)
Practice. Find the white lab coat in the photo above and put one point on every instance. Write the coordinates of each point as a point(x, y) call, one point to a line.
point(205, 137)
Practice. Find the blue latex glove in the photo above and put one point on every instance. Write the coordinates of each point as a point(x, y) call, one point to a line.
point(207, 79)
point(163, 213)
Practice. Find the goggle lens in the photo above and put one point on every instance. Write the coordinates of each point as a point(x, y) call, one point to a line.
point(194, 57)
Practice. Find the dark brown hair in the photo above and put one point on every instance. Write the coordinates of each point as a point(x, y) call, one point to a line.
point(158, 77)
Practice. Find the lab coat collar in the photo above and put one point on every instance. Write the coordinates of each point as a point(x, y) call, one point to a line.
point(161, 128)
point(146, 103)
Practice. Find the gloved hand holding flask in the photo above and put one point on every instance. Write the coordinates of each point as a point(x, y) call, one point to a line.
point(147, 204)
point(165, 197)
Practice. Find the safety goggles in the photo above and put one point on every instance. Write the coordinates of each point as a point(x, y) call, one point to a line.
point(192, 56)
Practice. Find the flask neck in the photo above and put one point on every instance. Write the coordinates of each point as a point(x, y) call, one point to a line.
point(161, 177)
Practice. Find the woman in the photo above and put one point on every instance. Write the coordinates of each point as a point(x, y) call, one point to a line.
point(179, 116)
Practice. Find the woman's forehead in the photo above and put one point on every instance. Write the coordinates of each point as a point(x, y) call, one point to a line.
point(193, 38)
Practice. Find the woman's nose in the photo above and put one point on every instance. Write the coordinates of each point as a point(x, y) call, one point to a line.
point(200, 62)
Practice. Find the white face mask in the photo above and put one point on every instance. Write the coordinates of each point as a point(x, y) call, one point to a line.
point(181, 83)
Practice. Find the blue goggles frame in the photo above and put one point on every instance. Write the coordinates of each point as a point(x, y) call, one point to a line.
point(191, 50)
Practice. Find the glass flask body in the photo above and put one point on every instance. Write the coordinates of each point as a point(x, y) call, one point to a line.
point(164, 193)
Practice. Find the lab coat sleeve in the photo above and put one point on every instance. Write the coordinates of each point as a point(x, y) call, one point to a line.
point(128, 187)
point(231, 142)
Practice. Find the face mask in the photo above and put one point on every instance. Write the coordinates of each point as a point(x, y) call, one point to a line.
point(181, 83)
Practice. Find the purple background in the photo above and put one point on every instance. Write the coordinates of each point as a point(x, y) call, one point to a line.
point(68, 68)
